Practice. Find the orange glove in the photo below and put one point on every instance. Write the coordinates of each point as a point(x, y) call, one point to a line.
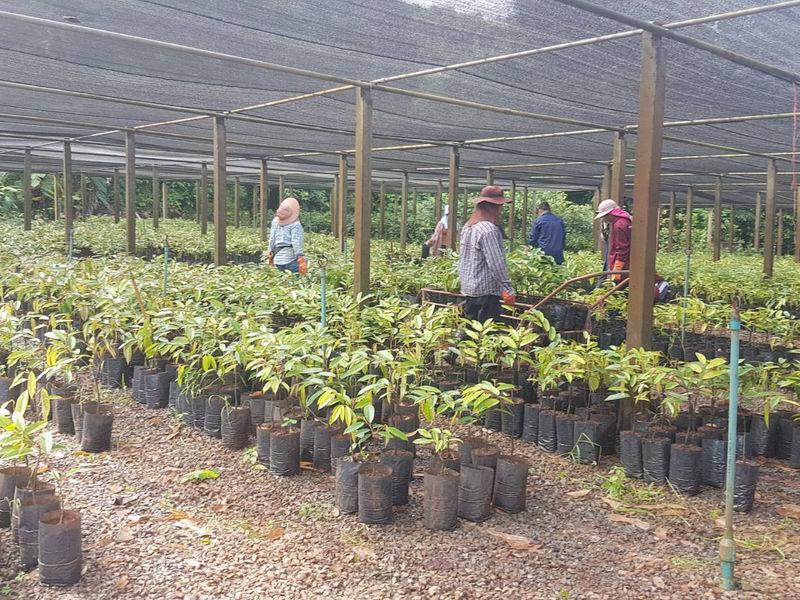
point(302, 265)
point(271, 259)
point(508, 299)
point(617, 266)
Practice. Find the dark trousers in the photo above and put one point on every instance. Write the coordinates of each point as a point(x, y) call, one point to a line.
point(482, 308)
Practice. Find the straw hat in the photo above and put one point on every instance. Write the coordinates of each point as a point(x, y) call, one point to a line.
point(605, 207)
point(288, 212)
point(492, 194)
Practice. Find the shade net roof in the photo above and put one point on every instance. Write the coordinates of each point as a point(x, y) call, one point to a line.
point(596, 84)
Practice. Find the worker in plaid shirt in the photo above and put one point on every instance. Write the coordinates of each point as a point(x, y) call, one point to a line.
point(482, 265)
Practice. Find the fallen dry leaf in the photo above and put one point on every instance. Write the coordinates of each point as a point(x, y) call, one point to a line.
point(789, 510)
point(615, 518)
point(193, 563)
point(614, 504)
point(176, 515)
point(220, 507)
point(193, 527)
point(660, 507)
point(125, 500)
point(671, 513)
point(659, 582)
point(125, 534)
point(661, 533)
point(274, 534)
point(517, 542)
point(138, 518)
point(720, 522)
point(121, 583)
point(174, 432)
point(364, 553)
point(579, 493)
point(116, 488)
point(335, 512)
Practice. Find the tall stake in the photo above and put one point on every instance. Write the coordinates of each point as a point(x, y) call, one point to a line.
point(27, 208)
point(511, 210)
point(769, 218)
point(716, 236)
point(156, 190)
point(757, 225)
point(220, 196)
point(263, 192)
point(646, 193)
point(203, 198)
point(727, 546)
point(237, 192)
point(404, 211)
point(130, 191)
point(617, 181)
point(452, 197)
point(382, 224)
point(115, 184)
point(363, 191)
point(341, 204)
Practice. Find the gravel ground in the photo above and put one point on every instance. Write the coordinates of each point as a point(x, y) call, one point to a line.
point(249, 534)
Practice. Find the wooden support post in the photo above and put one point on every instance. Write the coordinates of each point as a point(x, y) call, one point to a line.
point(363, 191)
point(254, 207)
point(596, 223)
point(382, 222)
point(710, 229)
point(646, 194)
point(797, 225)
point(616, 190)
point(717, 228)
point(237, 192)
point(56, 199)
point(220, 195)
point(769, 218)
point(69, 213)
point(404, 211)
point(281, 190)
point(341, 204)
point(332, 202)
point(156, 189)
point(524, 224)
point(203, 198)
point(130, 191)
point(84, 195)
point(779, 239)
point(757, 224)
point(688, 225)
point(164, 200)
point(671, 221)
point(489, 176)
point(464, 206)
point(27, 194)
point(263, 193)
point(437, 202)
point(414, 196)
point(197, 202)
point(511, 216)
point(732, 229)
point(452, 197)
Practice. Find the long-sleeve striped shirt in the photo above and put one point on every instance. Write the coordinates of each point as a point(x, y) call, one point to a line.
point(482, 265)
point(285, 241)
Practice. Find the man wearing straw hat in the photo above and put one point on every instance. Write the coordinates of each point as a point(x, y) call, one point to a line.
point(482, 265)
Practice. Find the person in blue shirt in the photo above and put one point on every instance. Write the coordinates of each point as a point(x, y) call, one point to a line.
point(549, 233)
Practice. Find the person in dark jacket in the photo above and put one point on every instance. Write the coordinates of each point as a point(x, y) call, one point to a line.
point(549, 233)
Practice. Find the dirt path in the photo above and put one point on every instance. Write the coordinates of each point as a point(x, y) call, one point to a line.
point(249, 534)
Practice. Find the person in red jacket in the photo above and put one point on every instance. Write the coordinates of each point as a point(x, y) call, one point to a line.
point(619, 236)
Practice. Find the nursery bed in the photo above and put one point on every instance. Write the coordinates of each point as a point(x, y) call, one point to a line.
point(252, 535)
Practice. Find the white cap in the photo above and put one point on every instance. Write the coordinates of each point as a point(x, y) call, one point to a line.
point(605, 207)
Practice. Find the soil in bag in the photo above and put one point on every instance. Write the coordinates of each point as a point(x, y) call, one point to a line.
point(547, 431)
point(744, 488)
point(714, 463)
point(212, 422)
point(263, 432)
point(630, 451)
point(10, 478)
point(284, 451)
point(465, 448)
point(156, 390)
point(794, 458)
point(685, 468)
point(655, 460)
point(440, 500)
point(446, 460)
point(98, 424)
point(510, 483)
point(307, 427)
point(346, 490)
point(783, 446)
point(340, 446)
point(486, 456)
point(113, 370)
point(24, 492)
point(235, 427)
point(257, 405)
point(60, 561)
point(565, 433)
point(401, 462)
point(62, 415)
point(30, 511)
point(174, 392)
point(763, 437)
point(475, 489)
point(511, 419)
point(375, 493)
point(530, 423)
point(587, 441)
point(493, 419)
point(322, 447)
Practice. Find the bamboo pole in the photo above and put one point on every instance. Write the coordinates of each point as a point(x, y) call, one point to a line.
point(769, 218)
point(452, 197)
point(220, 195)
point(203, 197)
point(130, 191)
point(237, 192)
point(382, 223)
point(27, 204)
point(156, 189)
point(263, 194)
point(404, 211)
point(363, 192)
point(757, 226)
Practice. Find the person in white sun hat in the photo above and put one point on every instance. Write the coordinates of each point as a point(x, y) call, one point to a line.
point(619, 236)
